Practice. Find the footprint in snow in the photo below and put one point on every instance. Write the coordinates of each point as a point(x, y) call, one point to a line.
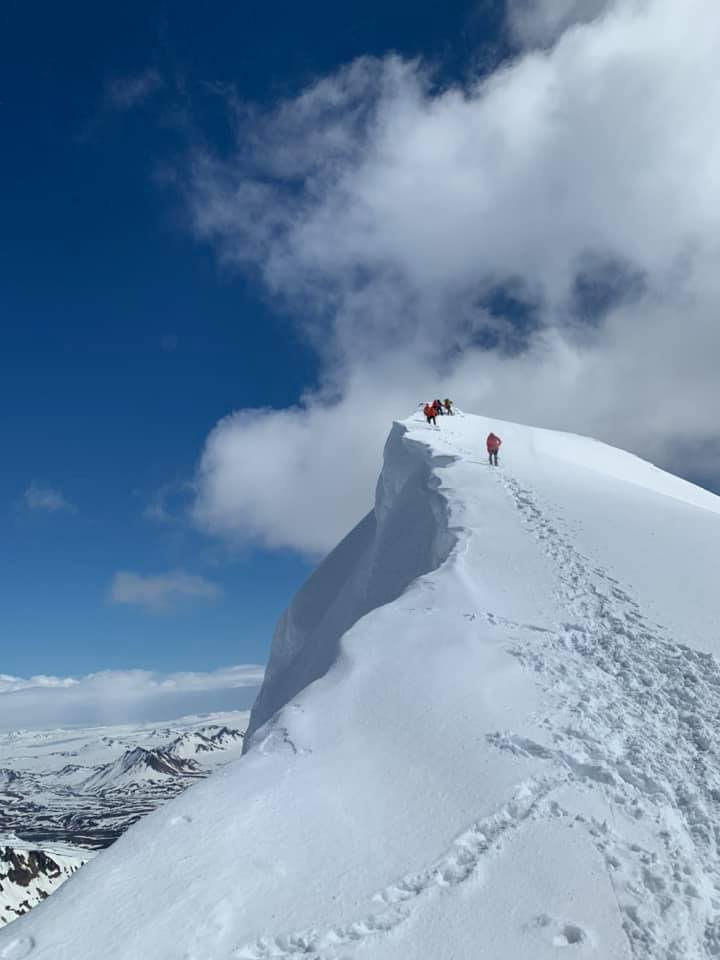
point(569, 936)
point(18, 949)
point(556, 932)
point(182, 819)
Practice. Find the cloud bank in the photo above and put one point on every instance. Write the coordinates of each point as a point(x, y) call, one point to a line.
point(162, 592)
point(119, 696)
point(540, 244)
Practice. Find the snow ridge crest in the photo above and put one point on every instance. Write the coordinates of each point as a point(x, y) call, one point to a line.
point(406, 535)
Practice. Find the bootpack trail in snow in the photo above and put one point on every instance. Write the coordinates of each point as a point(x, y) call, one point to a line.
point(638, 711)
point(600, 757)
point(638, 715)
point(457, 865)
point(633, 715)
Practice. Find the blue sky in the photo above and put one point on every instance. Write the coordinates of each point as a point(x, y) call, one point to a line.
point(248, 236)
point(123, 340)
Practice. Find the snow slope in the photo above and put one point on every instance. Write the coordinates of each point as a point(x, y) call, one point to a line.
point(507, 751)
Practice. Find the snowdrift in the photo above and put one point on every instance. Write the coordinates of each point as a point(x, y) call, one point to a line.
point(405, 536)
point(487, 731)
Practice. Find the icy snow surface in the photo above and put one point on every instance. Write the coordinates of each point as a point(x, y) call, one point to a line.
point(508, 751)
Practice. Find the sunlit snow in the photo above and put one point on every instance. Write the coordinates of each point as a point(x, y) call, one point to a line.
point(487, 732)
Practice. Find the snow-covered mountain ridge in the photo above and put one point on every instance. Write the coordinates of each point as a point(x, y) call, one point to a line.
point(487, 731)
point(141, 765)
point(66, 792)
point(83, 787)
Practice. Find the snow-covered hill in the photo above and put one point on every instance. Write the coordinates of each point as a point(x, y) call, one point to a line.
point(509, 747)
point(138, 766)
point(195, 742)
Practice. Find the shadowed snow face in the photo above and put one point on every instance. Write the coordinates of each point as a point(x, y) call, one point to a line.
point(540, 245)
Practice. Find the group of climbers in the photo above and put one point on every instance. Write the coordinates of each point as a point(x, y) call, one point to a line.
point(438, 408)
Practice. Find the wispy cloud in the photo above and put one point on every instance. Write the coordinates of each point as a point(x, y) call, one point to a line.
point(168, 503)
point(540, 22)
point(160, 592)
point(38, 497)
point(116, 696)
point(130, 91)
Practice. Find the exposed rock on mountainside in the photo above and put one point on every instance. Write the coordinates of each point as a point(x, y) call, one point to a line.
point(138, 766)
point(28, 876)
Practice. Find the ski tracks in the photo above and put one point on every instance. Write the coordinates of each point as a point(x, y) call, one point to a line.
point(637, 715)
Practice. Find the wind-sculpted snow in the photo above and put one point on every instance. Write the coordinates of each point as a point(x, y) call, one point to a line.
point(488, 731)
point(404, 537)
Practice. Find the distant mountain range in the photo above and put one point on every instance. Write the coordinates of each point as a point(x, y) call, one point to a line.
point(65, 794)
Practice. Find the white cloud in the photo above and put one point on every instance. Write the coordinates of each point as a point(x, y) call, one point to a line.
point(541, 245)
point(540, 22)
point(117, 696)
point(38, 497)
point(130, 91)
point(160, 592)
point(298, 478)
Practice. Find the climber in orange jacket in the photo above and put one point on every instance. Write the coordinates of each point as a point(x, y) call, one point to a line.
point(493, 445)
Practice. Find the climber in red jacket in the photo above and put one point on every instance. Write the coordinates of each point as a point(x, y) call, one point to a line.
point(430, 414)
point(493, 445)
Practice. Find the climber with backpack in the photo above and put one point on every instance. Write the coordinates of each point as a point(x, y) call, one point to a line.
point(430, 414)
point(493, 445)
